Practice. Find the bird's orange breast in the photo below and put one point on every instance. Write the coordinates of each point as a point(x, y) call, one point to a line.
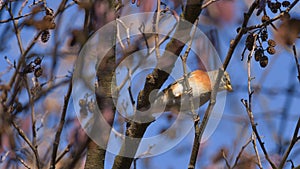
point(198, 80)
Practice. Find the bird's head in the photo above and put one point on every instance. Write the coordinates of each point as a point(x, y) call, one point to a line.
point(225, 83)
point(225, 80)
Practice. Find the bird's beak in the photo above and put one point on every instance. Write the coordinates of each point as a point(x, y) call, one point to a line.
point(228, 87)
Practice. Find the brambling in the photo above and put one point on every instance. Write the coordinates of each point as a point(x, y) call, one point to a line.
point(201, 83)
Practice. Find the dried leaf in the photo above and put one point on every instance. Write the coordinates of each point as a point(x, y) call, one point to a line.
point(288, 31)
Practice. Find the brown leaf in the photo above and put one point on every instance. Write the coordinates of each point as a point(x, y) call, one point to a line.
point(288, 31)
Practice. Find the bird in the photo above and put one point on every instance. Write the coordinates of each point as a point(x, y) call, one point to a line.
point(176, 96)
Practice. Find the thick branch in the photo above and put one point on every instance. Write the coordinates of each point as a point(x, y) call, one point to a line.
point(154, 81)
point(105, 72)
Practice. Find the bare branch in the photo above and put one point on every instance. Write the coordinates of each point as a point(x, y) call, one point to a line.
point(291, 145)
point(64, 152)
point(241, 152)
point(25, 138)
point(296, 61)
point(248, 106)
point(23, 162)
point(60, 127)
point(234, 43)
point(16, 18)
point(156, 30)
point(225, 158)
point(206, 4)
point(264, 24)
point(256, 150)
point(33, 121)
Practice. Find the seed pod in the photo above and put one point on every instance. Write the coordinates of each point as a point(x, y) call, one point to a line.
point(37, 61)
point(263, 61)
point(270, 4)
point(45, 36)
point(265, 18)
point(274, 10)
point(82, 102)
point(91, 107)
point(258, 54)
point(249, 42)
point(277, 5)
point(38, 72)
point(271, 42)
point(29, 68)
point(83, 112)
point(286, 4)
point(271, 50)
point(264, 35)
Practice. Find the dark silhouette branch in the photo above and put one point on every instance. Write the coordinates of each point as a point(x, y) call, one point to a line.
point(242, 31)
point(291, 145)
point(61, 125)
point(296, 61)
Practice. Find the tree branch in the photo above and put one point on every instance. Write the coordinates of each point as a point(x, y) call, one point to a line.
point(296, 61)
point(61, 125)
point(235, 42)
point(154, 81)
point(291, 145)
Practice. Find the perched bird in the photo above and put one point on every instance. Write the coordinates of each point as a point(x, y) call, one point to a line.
point(201, 83)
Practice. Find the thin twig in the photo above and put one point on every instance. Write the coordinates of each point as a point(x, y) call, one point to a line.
point(164, 38)
point(225, 158)
point(250, 92)
point(23, 162)
point(248, 105)
point(118, 36)
point(206, 117)
point(45, 92)
point(33, 121)
point(264, 24)
point(22, 134)
point(4, 156)
point(240, 153)
point(17, 31)
point(208, 3)
point(147, 152)
point(156, 31)
point(60, 127)
point(296, 61)
point(64, 152)
point(199, 130)
point(142, 31)
point(149, 51)
point(253, 125)
point(16, 18)
point(235, 42)
point(126, 28)
point(22, 7)
point(256, 150)
point(291, 145)
point(25, 138)
point(15, 77)
point(188, 88)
